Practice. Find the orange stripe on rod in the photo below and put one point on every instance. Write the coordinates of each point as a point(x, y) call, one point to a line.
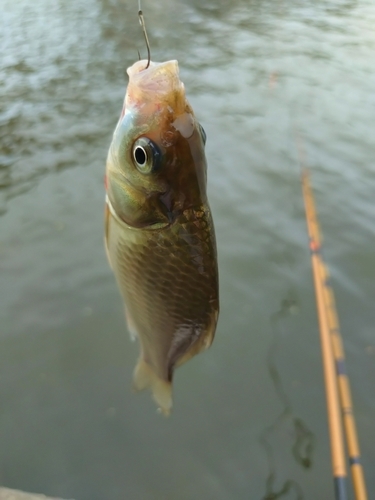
point(330, 314)
point(333, 407)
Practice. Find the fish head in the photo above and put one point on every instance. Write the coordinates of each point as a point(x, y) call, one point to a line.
point(156, 166)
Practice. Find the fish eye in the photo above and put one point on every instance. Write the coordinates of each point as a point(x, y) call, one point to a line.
point(140, 156)
point(146, 155)
point(203, 134)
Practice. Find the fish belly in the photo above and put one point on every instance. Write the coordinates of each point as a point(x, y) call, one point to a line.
point(169, 281)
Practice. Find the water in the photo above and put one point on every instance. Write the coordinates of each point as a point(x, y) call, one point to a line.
point(249, 418)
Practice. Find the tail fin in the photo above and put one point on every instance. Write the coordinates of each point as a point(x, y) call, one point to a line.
point(144, 377)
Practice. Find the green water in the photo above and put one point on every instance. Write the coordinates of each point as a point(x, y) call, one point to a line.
point(249, 419)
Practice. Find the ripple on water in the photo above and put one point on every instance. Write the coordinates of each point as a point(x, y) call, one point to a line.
point(257, 73)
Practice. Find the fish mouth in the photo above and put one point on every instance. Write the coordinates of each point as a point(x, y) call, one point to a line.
point(158, 82)
point(158, 77)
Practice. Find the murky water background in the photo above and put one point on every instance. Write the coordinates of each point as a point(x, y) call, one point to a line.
point(249, 418)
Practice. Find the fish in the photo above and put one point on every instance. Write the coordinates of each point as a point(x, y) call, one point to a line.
point(159, 232)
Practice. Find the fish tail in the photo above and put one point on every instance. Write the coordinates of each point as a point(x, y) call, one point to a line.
point(144, 377)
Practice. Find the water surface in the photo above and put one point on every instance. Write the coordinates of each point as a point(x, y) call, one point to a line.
point(249, 418)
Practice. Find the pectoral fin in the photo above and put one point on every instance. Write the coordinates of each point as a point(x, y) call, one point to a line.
point(131, 325)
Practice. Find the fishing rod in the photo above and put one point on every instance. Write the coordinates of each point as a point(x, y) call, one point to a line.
point(333, 405)
point(336, 378)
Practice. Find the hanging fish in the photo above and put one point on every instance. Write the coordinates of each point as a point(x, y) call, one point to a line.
point(159, 232)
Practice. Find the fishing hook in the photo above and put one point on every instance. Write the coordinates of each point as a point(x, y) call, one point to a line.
point(142, 23)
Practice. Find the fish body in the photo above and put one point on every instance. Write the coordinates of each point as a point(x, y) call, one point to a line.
point(159, 232)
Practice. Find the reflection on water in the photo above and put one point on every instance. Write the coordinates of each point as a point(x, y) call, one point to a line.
point(303, 439)
point(69, 423)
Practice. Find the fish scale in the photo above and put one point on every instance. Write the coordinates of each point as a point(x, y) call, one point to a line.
point(165, 287)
